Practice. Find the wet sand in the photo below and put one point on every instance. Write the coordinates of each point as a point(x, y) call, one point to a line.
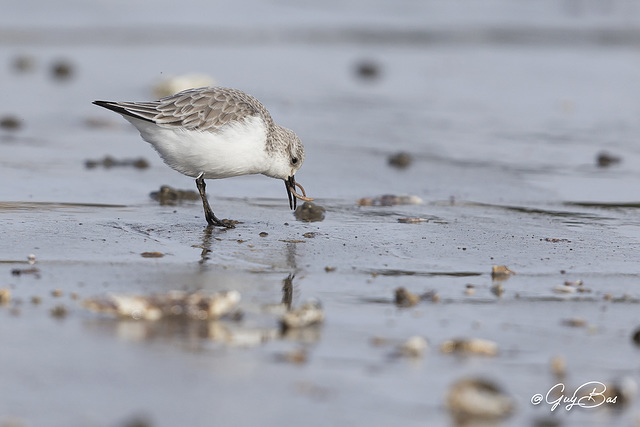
point(503, 134)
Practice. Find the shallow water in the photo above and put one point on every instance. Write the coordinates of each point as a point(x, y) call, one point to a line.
point(503, 109)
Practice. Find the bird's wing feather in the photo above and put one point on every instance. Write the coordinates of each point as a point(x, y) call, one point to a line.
point(204, 109)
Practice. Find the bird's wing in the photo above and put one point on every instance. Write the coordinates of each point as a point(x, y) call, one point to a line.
point(204, 109)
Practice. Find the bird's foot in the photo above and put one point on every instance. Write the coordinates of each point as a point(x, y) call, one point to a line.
point(215, 222)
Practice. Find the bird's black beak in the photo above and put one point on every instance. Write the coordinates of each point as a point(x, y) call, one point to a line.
point(290, 184)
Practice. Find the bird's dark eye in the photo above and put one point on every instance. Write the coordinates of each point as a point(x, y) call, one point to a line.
point(294, 160)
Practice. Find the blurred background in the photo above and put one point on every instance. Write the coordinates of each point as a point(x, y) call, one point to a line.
point(513, 122)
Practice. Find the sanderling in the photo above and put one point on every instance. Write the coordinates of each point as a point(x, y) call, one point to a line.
point(214, 133)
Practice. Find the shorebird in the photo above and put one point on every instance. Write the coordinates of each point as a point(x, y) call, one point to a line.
point(215, 133)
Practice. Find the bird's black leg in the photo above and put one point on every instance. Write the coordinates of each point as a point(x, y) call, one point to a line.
point(208, 213)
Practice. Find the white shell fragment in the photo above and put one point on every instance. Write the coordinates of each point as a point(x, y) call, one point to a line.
point(413, 347)
point(570, 287)
point(308, 314)
point(196, 306)
point(564, 289)
point(475, 399)
point(240, 337)
point(476, 346)
point(172, 85)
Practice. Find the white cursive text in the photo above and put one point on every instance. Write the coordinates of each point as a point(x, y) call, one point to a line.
point(588, 395)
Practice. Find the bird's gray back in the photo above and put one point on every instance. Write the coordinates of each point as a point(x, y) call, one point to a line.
point(203, 109)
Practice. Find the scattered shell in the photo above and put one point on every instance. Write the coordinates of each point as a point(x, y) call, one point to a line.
point(558, 366)
point(169, 196)
point(577, 322)
point(56, 293)
point(151, 254)
point(404, 298)
point(564, 289)
point(329, 269)
point(263, 234)
point(400, 160)
point(35, 300)
point(310, 212)
point(308, 314)
point(174, 84)
point(470, 346)
point(412, 220)
point(470, 290)
point(556, 240)
point(575, 283)
point(309, 235)
point(5, 296)
point(623, 391)
point(175, 304)
point(501, 272)
point(110, 162)
point(390, 200)
point(240, 337)
point(62, 70)
point(476, 398)
point(31, 259)
point(413, 347)
point(10, 123)
point(604, 159)
point(59, 311)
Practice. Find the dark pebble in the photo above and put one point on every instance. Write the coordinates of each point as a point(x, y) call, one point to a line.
point(310, 212)
point(400, 160)
point(62, 70)
point(605, 160)
point(10, 123)
point(367, 70)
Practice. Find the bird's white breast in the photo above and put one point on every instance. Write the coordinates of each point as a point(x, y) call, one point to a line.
point(237, 148)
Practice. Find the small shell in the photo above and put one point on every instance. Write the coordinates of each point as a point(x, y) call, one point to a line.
point(558, 366)
point(172, 85)
point(404, 298)
point(475, 398)
point(5, 296)
point(413, 347)
point(576, 322)
point(195, 306)
point(309, 314)
point(476, 346)
point(412, 220)
point(564, 289)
